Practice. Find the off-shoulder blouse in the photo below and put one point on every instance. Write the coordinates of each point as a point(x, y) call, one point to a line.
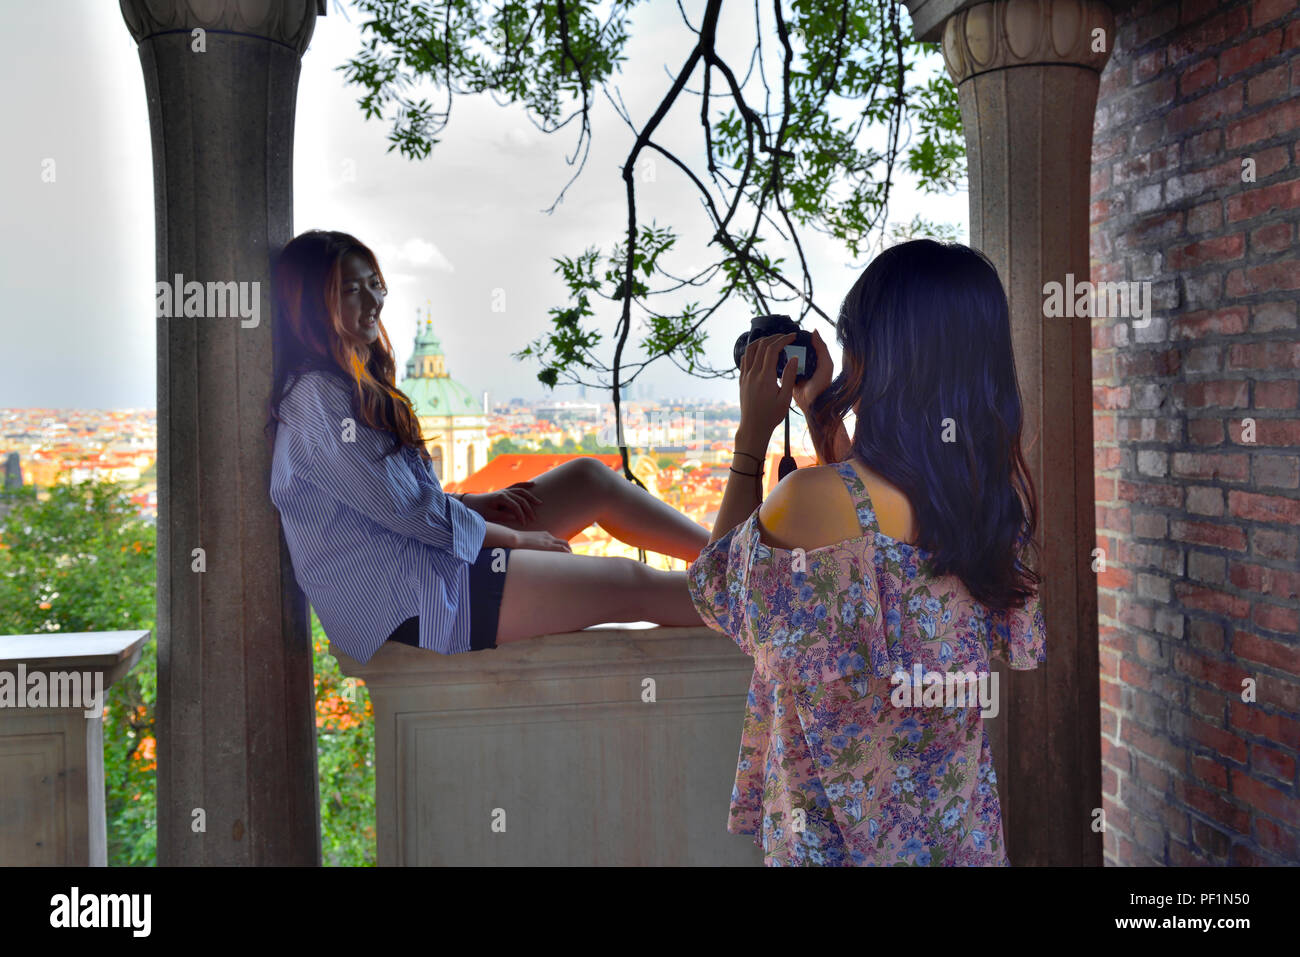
point(831, 770)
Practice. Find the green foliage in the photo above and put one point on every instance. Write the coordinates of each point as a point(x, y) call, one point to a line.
point(345, 759)
point(805, 129)
point(82, 560)
point(588, 446)
point(920, 228)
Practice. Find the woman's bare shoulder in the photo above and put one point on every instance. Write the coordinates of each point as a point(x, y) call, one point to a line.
point(805, 510)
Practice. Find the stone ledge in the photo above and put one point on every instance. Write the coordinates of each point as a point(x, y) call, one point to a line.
point(612, 649)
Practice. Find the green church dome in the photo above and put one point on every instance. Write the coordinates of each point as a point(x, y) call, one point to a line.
point(430, 389)
point(440, 396)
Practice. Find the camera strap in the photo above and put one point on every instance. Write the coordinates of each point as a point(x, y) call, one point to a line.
point(787, 461)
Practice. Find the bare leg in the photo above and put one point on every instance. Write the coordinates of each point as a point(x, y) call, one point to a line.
point(549, 593)
point(585, 491)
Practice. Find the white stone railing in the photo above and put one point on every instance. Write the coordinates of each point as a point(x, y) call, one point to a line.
point(52, 744)
point(616, 745)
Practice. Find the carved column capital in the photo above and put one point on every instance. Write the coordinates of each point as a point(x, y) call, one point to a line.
point(285, 21)
point(1010, 33)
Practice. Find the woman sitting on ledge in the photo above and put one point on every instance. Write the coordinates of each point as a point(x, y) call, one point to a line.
point(380, 550)
point(901, 556)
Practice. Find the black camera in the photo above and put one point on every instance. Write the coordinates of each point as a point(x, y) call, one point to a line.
point(761, 327)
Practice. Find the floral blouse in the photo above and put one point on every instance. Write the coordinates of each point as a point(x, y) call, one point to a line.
point(830, 770)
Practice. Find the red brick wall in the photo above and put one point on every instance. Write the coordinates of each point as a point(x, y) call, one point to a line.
point(1200, 529)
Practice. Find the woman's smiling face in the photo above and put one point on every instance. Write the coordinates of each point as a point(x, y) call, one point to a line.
point(361, 297)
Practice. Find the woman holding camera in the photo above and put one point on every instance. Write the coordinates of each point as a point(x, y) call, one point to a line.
point(899, 556)
point(380, 550)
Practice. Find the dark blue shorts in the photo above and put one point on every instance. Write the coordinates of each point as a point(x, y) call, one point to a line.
point(485, 590)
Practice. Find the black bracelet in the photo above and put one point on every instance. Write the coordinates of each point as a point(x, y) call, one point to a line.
point(739, 472)
point(746, 455)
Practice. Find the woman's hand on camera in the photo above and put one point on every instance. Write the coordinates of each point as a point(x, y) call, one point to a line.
point(806, 393)
point(541, 541)
point(764, 402)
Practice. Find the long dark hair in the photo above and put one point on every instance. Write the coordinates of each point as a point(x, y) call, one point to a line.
point(926, 334)
point(308, 334)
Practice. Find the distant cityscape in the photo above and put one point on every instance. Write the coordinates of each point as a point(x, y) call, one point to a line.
point(679, 450)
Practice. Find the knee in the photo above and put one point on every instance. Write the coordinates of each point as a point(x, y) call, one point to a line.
point(593, 472)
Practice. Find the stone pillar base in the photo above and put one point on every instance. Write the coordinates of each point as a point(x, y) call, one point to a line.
point(546, 751)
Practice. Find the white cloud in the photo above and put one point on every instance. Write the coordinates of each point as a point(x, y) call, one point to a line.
point(414, 252)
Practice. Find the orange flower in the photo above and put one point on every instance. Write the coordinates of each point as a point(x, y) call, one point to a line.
point(45, 605)
point(138, 547)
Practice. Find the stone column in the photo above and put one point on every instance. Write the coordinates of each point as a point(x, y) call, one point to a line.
point(1027, 73)
point(235, 723)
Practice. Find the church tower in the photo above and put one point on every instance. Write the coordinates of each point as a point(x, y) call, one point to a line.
point(453, 423)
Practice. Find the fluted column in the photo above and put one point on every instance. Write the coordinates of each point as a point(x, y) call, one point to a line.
point(1027, 73)
point(235, 721)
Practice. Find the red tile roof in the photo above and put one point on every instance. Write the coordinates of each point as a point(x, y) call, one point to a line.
point(505, 470)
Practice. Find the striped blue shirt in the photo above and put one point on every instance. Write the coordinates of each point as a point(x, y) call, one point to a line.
point(374, 539)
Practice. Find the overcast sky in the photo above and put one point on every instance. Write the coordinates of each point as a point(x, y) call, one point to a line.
point(78, 254)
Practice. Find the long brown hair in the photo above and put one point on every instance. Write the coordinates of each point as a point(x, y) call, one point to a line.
point(929, 366)
point(308, 334)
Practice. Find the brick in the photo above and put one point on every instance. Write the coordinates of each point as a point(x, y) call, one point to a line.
point(1273, 317)
point(1206, 217)
point(1210, 841)
point(1260, 795)
point(1264, 356)
point(1148, 65)
point(1254, 507)
point(1277, 471)
point(1278, 692)
point(1207, 636)
point(1265, 12)
point(1268, 86)
point(1155, 24)
point(1204, 359)
point(1278, 839)
point(1277, 729)
point(1150, 525)
point(1283, 546)
point(1203, 74)
point(1226, 468)
point(1208, 35)
point(1216, 393)
point(1151, 493)
point(1207, 569)
point(1208, 704)
point(1225, 675)
point(1222, 743)
point(1274, 654)
point(1205, 533)
point(1205, 431)
point(1274, 432)
point(1256, 201)
point(1243, 855)
point(1281, 394)
point(1215, 250)
point(1216, 808)
point(1272, 762)
point(1284, 274)
point(1251, 53)
point(1205, 500)
point(1278, 583)
point(1110, 398)
point(1271, 239)
point(1160, 228)
point(1275, 618)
